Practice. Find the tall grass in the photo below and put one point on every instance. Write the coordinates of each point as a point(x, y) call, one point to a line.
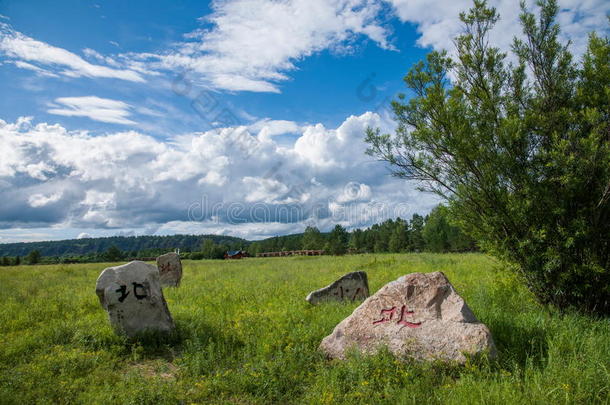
point(246, 335)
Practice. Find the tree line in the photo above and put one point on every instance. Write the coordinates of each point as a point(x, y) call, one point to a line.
point(144, 245)
point(433, 232)
point(107, 249)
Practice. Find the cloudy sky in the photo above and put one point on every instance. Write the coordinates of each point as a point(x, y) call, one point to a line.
point(240, 117)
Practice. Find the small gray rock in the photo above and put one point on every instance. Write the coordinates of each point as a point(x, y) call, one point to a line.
point(352, 286)
point(420, 316)
point(132, 296)
point(170, 269)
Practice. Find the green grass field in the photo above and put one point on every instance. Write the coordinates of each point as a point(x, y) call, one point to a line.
point(246, 335)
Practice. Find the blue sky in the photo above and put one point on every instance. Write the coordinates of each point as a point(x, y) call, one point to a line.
point(322, 88)
point(242, 117)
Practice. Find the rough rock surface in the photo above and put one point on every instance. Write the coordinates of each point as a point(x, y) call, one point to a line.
point(351, 286)
point(419, 316)
point(170, 269)
point(132, 296)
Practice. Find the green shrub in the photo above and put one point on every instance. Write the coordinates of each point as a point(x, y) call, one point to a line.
point(521, 152)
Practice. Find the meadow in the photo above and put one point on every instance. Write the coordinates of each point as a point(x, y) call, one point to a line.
point(245, 335)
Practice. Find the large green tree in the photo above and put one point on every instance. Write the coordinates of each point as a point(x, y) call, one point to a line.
point(441, 235)
point(399, 238)
point(337, 241)
point(416, 237)
point(312, 239)
point(211, 250)
point(113, 254)
point(33, 257)
point(521, 150)
point(357, 241)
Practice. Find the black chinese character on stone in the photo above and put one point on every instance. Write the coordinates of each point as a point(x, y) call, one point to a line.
point(135, 290)
point(124, 293)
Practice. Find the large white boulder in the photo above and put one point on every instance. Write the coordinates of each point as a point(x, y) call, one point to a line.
point(132, 296)
point(420, 316)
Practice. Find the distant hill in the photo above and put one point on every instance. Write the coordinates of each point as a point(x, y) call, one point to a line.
point(88, 246)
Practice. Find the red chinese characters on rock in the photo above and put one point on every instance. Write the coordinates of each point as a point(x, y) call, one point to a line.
point(164, 267)
point(387, 315)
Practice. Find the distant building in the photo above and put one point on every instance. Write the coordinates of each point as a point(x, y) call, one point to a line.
point(236, 254)
point(291, 253)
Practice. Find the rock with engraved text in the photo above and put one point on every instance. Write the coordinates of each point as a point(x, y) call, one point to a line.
point(352, 286)
point(132, 296)
point(170, 269)
point(418, 316)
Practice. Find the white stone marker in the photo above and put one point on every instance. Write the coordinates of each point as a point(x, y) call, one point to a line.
point(132, 296)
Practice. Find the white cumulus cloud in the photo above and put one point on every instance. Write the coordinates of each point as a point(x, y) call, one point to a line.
point(40, 200)
point(96, 108)
point(22, 48)
point(252, 44)
point(203, 181)
point(438, 25)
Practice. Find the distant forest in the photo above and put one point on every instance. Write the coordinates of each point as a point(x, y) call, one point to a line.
point(105, 249)
point(433, 232)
